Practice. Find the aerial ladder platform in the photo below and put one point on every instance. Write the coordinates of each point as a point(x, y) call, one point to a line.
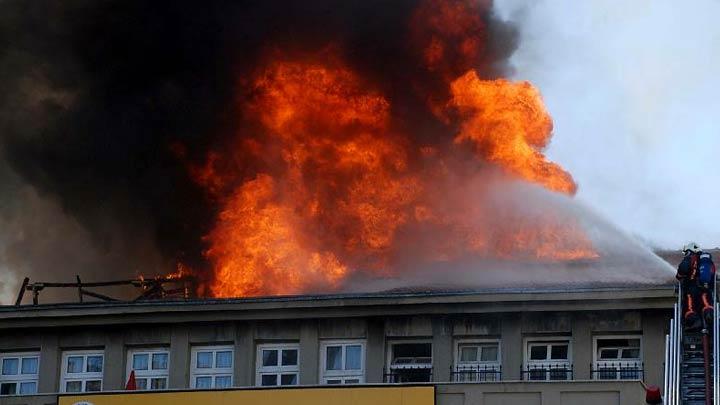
point(691, 359)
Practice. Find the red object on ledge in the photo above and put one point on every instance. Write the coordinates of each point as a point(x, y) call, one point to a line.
point(131, 384)
point(652, 394)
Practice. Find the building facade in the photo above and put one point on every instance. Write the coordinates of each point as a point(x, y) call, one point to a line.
point(482, 347)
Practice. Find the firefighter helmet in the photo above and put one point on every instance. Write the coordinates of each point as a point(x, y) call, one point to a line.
point(691, 247)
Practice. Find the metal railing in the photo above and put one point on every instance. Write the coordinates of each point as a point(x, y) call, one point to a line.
point(607, 370)
point(476, 373)
point(547, 372)
point(673, 351)
point(408, 374)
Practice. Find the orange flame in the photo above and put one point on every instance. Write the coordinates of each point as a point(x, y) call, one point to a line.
point(323, 186)
point(508, 124)
point(340, 186)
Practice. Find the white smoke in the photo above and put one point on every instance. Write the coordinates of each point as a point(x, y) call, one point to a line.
point(634, 90)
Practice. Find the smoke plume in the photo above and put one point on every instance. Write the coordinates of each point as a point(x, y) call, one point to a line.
point(105, 105)
point(633, 88)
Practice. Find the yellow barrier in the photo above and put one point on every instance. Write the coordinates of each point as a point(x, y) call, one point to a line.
point(286, 396)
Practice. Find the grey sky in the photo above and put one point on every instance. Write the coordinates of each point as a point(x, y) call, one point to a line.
point(634, 90)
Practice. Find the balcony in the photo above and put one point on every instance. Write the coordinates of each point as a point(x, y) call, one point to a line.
point(476, 373)
point(617, 370)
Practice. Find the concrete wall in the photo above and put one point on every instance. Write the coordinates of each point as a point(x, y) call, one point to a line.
point(542, 393)
point(442, 330)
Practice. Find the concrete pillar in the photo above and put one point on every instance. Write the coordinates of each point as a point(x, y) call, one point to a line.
point(114, 362)
point(551, 397)
point(179, 357)
point(512, 346)
point(244, 370)
point(309, 352)
point(653, 345)
point(375, 356)
point(49, 364)
point(442, 350)
point(582, 347)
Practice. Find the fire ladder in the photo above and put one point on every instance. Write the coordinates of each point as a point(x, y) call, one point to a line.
point(691, 360)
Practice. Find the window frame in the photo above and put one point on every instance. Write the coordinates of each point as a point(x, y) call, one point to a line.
point(460, 366)
point(84, 377)
point(278, 370)
point(150, 373)
point(528, 342)
point(397, 369)
point(342, 375)
point(390, 351)
point(20, 378)
point(598, 363)
point(213, 372)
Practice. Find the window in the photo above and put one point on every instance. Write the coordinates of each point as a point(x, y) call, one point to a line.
point(477, 361)
point(617, 358)
point(82, 371)
point(19, 373)
point(277, 364)
point(212, 367)
point(150, 366)
point(409, 362)
point(342, 362)
point(548, 359)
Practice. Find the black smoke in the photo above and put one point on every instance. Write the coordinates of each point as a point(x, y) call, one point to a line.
point(98, 97)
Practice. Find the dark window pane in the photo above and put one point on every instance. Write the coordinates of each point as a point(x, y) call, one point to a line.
point(352, 381)
point(631, 353)
point(288, 379)
point(73, 386)
point(10, 366)
point(30, 365)
point(268, 380)
point(289, 357)
point(141, 383)
point(559, 374)
point(28, 388)
point(158, 383)
point(333, 359)
point(629, 374)
point(411, 375)
point(537, 374)
point(159, 361)
point(538, 352)
point(489, 353)
point(269, 358)
point(353, 357)
point(412, 350)
point(93, 386)
point(140, 361)
point(7, 388)
point(223, 359)
point(334, 382)
point(203, 382)
point(204, 360)
point(559, 352)
point(468, 353)
point(606, 354)
point(94, 364)
point(607, 373)
point(75, 365)
point(223, 381)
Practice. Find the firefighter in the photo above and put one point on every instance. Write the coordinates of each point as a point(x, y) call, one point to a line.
point(687, 274)
point(696, 273)
point(706, 284)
